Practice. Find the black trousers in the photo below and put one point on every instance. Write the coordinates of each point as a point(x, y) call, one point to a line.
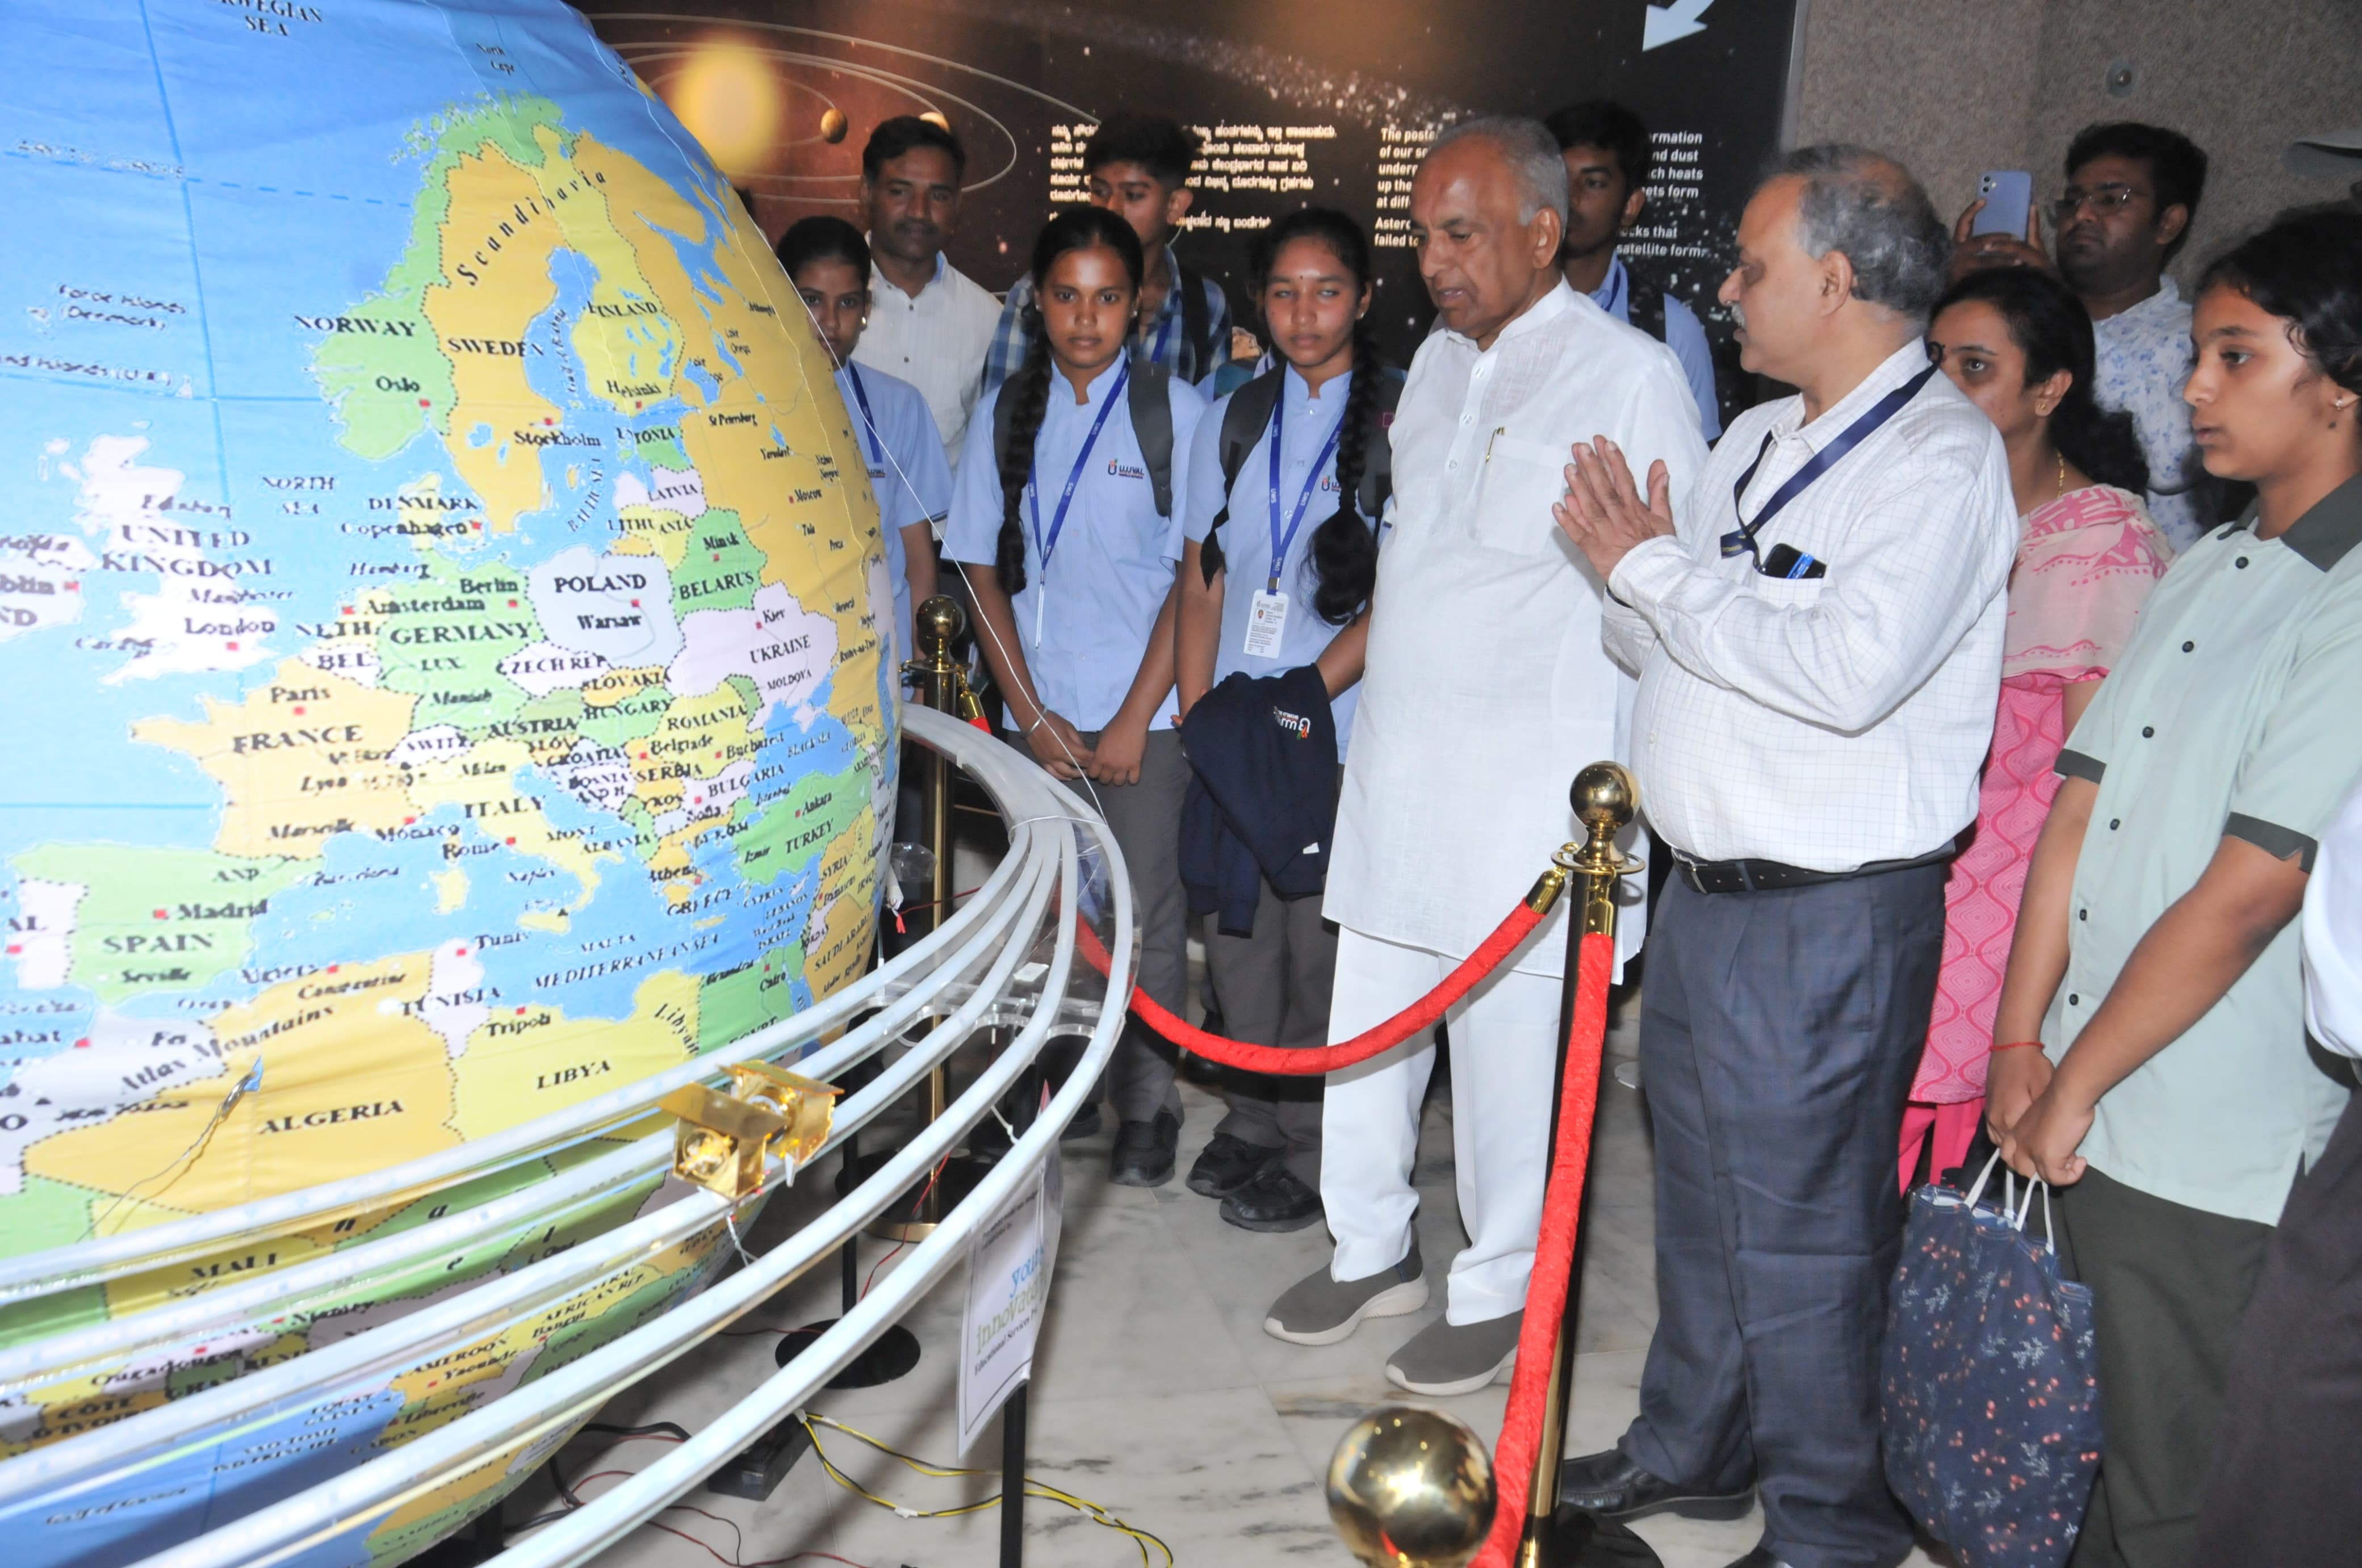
point(2168, 1285)
point(2283, 1492)
point(1779, 1035)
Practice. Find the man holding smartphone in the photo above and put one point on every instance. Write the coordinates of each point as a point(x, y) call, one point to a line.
point(2131, 191)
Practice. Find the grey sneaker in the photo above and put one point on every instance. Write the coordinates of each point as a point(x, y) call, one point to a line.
point(1443, 1359)
point(1318, 1310)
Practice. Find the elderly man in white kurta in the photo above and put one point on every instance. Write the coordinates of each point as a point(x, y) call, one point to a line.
point(1486, 690)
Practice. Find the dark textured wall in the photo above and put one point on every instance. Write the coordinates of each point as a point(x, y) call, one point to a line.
point(1957, 86)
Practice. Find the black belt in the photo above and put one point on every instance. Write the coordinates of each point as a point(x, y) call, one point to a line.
point(1769, 876)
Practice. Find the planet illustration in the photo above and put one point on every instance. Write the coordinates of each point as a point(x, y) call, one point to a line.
point(832, 125)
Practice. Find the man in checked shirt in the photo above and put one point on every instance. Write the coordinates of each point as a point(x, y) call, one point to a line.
point(1818, 632)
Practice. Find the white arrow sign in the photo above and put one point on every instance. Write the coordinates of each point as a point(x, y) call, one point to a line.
point(1666, 24)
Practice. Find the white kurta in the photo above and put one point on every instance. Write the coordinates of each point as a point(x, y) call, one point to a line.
point(1487, 689)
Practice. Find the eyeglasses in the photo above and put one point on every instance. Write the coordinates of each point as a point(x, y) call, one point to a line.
point(2102, 200)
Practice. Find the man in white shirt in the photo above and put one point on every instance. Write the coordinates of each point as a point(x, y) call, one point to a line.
point(1817, 626)
point(929, 324)
point(1486, 690)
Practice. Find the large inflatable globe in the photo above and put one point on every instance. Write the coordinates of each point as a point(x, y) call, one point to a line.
point(440, 637)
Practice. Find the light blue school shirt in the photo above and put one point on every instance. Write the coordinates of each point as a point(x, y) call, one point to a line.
point(906, 471)
point(1683, 336)
point(1084, 622)
point(1246, 534)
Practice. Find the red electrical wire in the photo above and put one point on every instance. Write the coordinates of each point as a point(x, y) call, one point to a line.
point(1513, 1455)
point(1385, 1037)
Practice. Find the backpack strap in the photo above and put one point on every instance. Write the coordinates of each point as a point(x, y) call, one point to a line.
point(1152, 426)
point(1644, 303)
point(1378, 449)
point(1196, 322)
point(1003, 417)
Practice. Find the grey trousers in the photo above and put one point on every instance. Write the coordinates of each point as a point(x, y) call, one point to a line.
point(1779, 1035)
point(1147, 820)
point(1273, 988)
point(2169, 1285)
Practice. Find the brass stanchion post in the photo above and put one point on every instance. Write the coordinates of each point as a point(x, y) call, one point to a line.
point(943, 684)
point(1604, 802)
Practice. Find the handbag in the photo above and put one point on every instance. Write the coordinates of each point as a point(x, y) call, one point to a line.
point(1991, 1409)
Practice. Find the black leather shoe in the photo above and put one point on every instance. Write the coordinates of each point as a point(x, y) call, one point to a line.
point(1273, 1200)
point(1143, 1151)
point(1613, 1487)
point(1227, 1164)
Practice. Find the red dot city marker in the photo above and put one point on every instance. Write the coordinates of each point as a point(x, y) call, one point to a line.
point(159, 914)
point(458, 953)
point(81, 1044)
point(299, 707)
point(426, 403)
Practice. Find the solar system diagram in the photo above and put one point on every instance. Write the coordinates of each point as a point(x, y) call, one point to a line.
point(1316, 102)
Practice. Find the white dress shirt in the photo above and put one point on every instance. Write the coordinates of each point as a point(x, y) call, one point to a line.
point(2332, 934)
point(935, 340)
point(1487, 689)
point(1833, 721)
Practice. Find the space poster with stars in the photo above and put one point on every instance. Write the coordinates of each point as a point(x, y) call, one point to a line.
point(1327, 101)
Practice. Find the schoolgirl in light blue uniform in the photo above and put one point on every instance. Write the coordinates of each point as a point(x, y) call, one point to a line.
point(1070, 562)
point(1284, 582)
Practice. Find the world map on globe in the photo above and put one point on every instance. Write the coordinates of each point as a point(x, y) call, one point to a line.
point(448, 647)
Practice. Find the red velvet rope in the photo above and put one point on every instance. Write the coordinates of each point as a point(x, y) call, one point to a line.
point(1513, 1455)
point(1329, 1058)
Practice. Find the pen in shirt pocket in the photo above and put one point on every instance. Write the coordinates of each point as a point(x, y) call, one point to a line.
point(1498, 430)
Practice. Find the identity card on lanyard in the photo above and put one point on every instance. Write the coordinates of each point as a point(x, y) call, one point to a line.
point(1267, 611)
point(1044, 547)
point(1741, 540)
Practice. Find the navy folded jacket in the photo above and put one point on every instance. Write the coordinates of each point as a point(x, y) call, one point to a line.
point(1264, 798)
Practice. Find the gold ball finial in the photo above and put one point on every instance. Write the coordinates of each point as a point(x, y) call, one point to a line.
point(1411, 1488)
point(939, 623)
point(1605, 798)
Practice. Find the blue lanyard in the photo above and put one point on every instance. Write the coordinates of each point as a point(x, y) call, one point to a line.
point(1058, 519)
point(1742, 540)
point(1615, 294)
point(1280, 542)
point(868, 421)
point(1164, 329)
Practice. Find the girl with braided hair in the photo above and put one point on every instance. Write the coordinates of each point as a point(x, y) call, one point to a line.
point(1064, 514)
point(1277, 577)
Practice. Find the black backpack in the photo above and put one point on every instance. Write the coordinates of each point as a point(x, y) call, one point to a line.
point(1249, 414)
point(1195, 321)
point(1151, 409)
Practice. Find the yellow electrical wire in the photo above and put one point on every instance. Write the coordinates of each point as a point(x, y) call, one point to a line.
point(1097, 1513)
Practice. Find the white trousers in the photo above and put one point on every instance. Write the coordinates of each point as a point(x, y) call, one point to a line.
point(1504, 1050)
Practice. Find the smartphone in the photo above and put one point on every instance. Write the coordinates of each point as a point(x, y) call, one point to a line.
point(2007, 194)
